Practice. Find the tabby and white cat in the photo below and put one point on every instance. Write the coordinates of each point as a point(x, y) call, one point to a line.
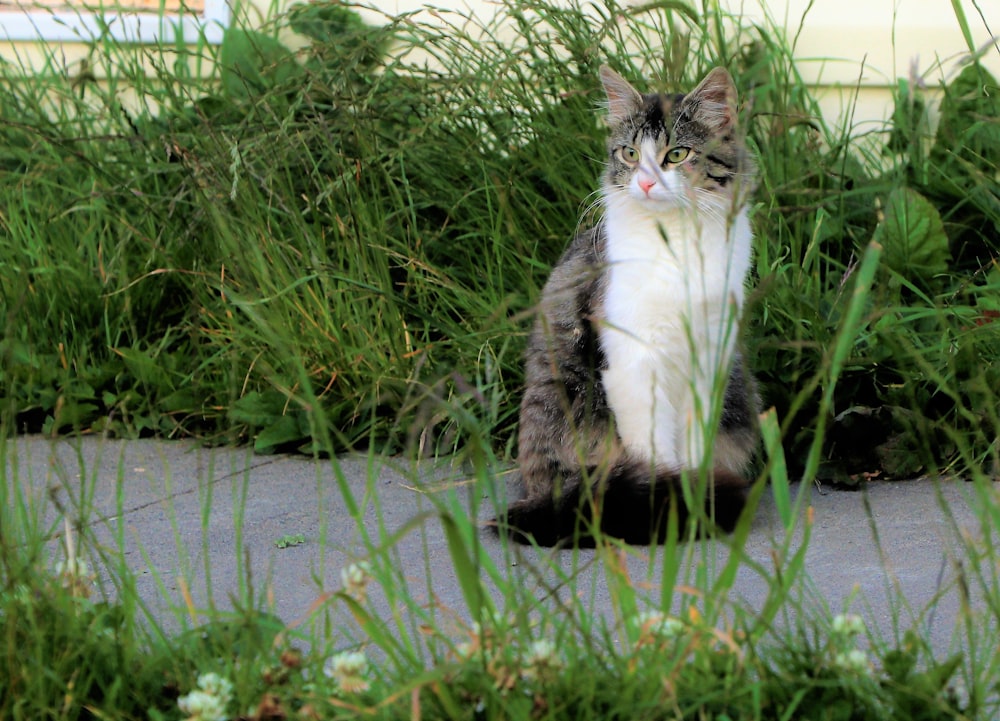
point(637, 324)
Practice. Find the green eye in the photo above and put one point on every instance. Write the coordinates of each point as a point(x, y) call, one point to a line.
point(677, 155)
point(628, 154)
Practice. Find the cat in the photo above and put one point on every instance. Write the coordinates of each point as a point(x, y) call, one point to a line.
point(636, 326)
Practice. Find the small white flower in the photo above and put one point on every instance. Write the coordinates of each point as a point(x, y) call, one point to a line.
point(542, 660)
point(75, 567)
point(848, 624)
point(487, 634)
point(466, 650)
point(356, 578)
point(855, 661)
point(75, 576)
point(216, 685)
point(209, 702)
point(543, 650)
point(658, 625)
point(348, 670)
point(201, 706)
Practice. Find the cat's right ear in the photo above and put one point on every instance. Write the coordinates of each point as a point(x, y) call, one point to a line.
point(623, 99)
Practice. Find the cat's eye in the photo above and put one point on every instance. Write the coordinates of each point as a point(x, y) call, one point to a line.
point(677, 155)
point(628, 154)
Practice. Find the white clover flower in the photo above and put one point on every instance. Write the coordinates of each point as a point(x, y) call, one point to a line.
point(356, 578)
point(848, 624)
point(466, 650)
point(209, 702)
point(348, 670)
point(487, 634)
point(201, 706)
point(542, 649)
point(658, 625)
point(484, 636)
point(75, 576)
point(216, 685)
point(493, 619)
point(73, 567)
point(542, 660)
point(855, 661)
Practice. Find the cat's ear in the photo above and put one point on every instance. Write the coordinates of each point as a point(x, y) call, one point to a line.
point(623, 99)
point(713, 102)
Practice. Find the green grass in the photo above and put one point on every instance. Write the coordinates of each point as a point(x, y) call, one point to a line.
point(340, 248)
point(354, 231)
point(674, 641)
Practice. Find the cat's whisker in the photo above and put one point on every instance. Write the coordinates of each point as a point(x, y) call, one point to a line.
point(591, 204)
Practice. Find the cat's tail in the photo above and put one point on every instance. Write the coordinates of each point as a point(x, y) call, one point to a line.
point(628, 502)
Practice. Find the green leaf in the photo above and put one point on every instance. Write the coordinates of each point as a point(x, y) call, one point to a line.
point(288, 540)
point(16, 353)
point(145, 368)
point(771, 434)
point(253, 62)
point(912, 236)
point(466, 569)
point(939, 674)
point(325, 23)
point(909, 119)
point(182, 399)
point(257, 409)
point(970, 121)
point(286, 429)
point(377, 631)
point(72, 414)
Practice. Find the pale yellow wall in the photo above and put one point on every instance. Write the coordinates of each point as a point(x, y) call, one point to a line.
point(844, 44)
point(851, 50)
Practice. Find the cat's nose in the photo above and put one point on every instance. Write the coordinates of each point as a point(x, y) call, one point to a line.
point(645, 184)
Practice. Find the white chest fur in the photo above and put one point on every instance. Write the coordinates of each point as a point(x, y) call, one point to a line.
point(672, 305)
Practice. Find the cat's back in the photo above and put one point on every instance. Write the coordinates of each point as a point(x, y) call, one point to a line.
point(572, 303)
point(580, 265)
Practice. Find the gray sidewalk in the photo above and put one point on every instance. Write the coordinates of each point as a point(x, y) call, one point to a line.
point(183, 512)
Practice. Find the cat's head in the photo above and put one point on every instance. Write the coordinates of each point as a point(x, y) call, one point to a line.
point(676, 150)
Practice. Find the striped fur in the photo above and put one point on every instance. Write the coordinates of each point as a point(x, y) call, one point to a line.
point(636, 334)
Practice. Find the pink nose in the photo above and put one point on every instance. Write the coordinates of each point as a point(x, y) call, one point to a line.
point(646, 184)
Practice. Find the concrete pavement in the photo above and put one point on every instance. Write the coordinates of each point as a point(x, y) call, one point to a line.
point(201, 527)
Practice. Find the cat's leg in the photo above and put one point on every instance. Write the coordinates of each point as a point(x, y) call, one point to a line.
point(645, 415)
point(738, 437)
point(700, 401)
point(696, 428)
point(665, 446)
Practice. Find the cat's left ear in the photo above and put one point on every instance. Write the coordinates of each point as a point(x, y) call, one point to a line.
point(713, 102)
point(623, 99)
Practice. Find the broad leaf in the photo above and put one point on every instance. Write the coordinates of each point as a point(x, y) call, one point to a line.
point(970, 121)
point(284, 430)
point(258, 409)
point(912, 236)
point(253, 62)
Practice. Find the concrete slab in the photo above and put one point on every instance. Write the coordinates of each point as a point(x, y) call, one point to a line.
point(199, 529)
